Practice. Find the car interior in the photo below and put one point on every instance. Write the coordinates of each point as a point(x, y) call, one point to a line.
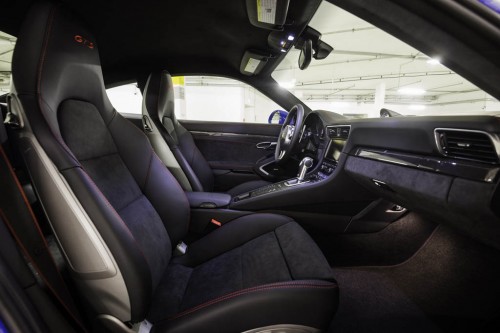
point(331, 212)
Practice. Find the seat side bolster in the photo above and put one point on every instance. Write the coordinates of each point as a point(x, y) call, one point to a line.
point(295, 302)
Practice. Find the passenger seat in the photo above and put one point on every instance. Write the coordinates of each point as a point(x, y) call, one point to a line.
point(171, 140)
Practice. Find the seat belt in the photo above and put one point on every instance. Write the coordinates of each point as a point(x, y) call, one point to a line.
point(19, 218)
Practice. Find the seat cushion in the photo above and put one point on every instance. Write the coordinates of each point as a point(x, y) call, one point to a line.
point(259, 267)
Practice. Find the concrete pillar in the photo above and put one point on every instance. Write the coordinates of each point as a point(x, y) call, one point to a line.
point(379, 100)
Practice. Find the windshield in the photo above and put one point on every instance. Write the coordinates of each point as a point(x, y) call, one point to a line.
point(369, 70)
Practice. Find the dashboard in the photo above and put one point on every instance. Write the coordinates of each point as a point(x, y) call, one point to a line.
point(444, 167)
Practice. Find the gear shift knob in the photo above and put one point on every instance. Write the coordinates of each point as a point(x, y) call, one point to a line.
point(305, 164)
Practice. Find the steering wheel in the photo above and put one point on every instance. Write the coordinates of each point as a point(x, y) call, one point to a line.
point(289, 135)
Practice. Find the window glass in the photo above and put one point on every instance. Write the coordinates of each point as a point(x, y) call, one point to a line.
point(126, 98)
point(370, 70)
point(7, 43)
point(213, 98)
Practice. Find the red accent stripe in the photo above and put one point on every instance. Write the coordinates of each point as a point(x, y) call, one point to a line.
point(273, 286)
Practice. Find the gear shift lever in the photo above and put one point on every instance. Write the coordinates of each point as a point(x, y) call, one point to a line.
point(305, 164)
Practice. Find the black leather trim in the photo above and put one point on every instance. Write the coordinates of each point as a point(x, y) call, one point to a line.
point(261, 130)
point(208, 199)
point(3, 132)
point(309, 303)
point(126, 252)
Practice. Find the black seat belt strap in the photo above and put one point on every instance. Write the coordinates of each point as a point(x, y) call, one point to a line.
point(19, 218)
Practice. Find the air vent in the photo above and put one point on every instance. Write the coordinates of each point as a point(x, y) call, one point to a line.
point(467, 144)
point(338, 132)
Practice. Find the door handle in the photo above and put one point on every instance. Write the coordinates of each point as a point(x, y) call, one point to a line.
point(266, 145)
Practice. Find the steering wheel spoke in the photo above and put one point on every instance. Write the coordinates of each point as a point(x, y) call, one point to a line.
point(289, 135)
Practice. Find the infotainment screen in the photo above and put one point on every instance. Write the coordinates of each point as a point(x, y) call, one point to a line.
point(334, 149)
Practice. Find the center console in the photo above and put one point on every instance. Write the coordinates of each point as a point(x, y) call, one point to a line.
point(337, 136)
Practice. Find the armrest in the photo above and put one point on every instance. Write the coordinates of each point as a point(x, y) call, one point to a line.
point(208, 199)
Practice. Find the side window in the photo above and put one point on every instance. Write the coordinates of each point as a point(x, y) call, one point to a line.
point(213, 98)
point(126, 98)
point(7, 43)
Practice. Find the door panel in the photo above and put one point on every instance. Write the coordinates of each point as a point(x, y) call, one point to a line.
point(231, 148)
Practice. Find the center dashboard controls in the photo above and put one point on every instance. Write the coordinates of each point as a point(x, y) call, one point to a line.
point(338, 132)
point(338, 136)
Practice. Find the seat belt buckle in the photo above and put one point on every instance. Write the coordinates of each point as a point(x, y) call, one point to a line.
point(181, 248)
point(145, 327)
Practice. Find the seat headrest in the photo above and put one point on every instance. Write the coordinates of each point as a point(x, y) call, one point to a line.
point(56, 58)
point(159, 96)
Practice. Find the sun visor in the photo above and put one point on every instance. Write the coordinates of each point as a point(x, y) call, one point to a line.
point(267, 14)
point(253, 62)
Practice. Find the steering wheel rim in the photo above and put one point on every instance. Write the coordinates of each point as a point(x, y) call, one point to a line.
point(289, 134)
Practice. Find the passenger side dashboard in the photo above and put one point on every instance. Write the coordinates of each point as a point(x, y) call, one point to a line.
point(408, 161)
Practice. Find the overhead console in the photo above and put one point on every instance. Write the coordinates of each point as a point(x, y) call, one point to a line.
point(287, 22)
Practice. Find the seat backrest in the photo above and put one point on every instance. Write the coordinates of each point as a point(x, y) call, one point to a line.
point(115, 209)
point(159, 106)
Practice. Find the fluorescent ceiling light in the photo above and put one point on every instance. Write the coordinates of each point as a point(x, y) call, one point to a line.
point(433, 61)
point(288, 84)
point(417, 107)
point(411, 91)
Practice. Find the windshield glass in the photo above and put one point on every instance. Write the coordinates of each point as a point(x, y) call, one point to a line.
point(369, 70)
point(7, 43)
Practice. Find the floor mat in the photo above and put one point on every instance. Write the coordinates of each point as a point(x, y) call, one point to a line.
point(392, 245)
point(370, 302)
point(451, 283)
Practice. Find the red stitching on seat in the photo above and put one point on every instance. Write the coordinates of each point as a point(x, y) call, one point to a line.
point(41, 65)
point(279, 285)
point(113, 210)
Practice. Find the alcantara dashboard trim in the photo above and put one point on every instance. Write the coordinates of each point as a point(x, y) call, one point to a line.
point(450, 167)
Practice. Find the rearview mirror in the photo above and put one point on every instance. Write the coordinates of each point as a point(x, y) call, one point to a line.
point(305, 54)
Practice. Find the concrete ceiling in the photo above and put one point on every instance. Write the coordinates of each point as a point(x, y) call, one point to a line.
point(365, 58)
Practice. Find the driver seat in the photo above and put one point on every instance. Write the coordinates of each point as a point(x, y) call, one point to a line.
point(118, 213)
point(190, 168)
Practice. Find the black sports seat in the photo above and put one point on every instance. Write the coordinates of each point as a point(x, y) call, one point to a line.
point(118, 213)
point(158, 105)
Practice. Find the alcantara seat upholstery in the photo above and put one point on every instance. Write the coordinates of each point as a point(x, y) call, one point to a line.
point(174, 141)
point(118, 213)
